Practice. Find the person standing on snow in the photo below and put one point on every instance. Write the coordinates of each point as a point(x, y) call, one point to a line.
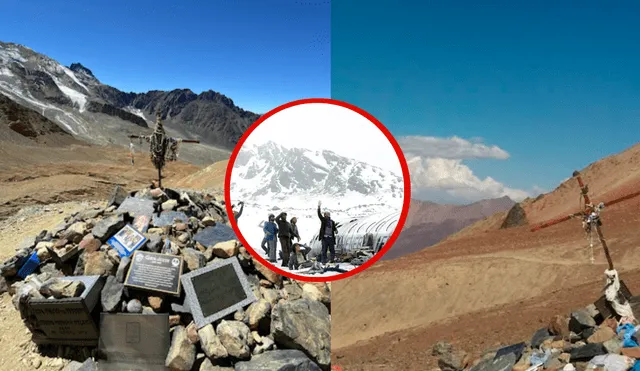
point(270, 230)
point(284, 234)
point(327, 235)
point(294, 229)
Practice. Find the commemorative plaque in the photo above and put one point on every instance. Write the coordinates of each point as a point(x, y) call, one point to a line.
point(210, 236)
point(605, 308)
point(134, 341)
point(67, 321)
point(216, 291)
point(127, 240)
point(155, 272)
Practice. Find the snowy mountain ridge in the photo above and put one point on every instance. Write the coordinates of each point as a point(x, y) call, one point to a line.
point(271, 172)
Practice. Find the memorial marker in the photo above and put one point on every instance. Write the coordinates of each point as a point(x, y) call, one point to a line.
point(210, 236)
point(216, 291)
point(134, 341)
point(67, 321)
point(155, 272)
point(127, 240)
point(168, 218)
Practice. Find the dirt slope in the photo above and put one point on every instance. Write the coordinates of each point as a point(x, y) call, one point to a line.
point(487, 280)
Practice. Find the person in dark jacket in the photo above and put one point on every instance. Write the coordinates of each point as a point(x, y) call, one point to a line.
point(236, 214)
point(270, 230)
point(327, 235)
point(294, 229)
point(284, 235)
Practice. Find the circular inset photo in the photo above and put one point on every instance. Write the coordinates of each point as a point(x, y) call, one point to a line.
point(319, 190)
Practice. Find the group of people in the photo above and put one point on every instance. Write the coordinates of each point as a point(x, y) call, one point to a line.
point(294, 255)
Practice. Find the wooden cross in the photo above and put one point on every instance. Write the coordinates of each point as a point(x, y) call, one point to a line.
point(161, 147)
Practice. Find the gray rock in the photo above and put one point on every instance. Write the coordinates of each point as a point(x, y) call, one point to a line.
point(592, 310)
point(182, 354)
point(12, 265)
point(278, 360)
point(111, 294)
point(539, 337)
point(98, 264)
point(104, 229)
point(306, 325)
point(211, 344)
point(504, 363)
point(586, 352)
point(441, 348)
point(194, 259)
point(134, 306)
point(75, 232)
point(258, 315)
point(3, 286)
point(270, 295)
point(580, 321)
point(208, 366)
point(123, 268)
point(61, 288)
point(117, 197)
point(236, 338)
point(154, 242)
point(88, 365)
point(452, 361)
point(613, 346)
point(293, 291)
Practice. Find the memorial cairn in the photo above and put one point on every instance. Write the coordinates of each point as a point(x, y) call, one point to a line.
point(157, 280)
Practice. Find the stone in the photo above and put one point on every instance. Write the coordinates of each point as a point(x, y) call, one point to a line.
point(210, 236)
point(211, 344)
point(123, 268)
point(206, 365)
point(98, 264)
point(539, 337)
point(266, 344)
point(104, 229)
point(154, 242)
point(169, 205)
point(586, 352)
point(3, 285)
point(317, 291)
point(453, 361)
point(208, 221)
point(267, 273)
point(61, 288)
point(194, 259)
point(192, 333)
point(117, 197)
point(303, 324)
point(601, 335)
point(292, 291)
point(581, 320)
point(111, 294)
point(592, 310)
point(89, 243)
point(225, 250)
point(75, 232)
point(134, 306)
point(156, 193)
point(278, 360)
point(441, 348)
point(631, 352)
point(181, 227)
point(182, 353)
point(235, 337)
point(258, 315)
point(503, 363)
point(613, 346)
point(559, 325)
point(174, 320)
point(155, 302)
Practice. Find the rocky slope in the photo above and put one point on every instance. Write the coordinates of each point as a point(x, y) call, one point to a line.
point(428, 223)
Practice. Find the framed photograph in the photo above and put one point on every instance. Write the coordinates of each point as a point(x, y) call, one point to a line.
point(127, 240)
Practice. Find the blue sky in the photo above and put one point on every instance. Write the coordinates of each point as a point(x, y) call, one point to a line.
point(553, 86)
point(261, 54)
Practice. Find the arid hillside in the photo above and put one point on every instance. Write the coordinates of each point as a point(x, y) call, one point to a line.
point(487, 284)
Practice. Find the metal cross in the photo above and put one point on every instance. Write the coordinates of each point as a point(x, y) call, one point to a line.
point(161, 147)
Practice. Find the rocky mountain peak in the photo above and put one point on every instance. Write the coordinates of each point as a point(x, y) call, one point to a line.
point(79, 68)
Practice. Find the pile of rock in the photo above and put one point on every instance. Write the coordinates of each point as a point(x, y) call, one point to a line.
point(580, 341)
point(288, 327)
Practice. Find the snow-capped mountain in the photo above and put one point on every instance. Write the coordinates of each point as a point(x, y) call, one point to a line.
point(78, 102)
point(271, 178)
point(273, 172)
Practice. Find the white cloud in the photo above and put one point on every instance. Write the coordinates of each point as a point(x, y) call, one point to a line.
point(319, 126)
point(436, 167)
point(450, 148)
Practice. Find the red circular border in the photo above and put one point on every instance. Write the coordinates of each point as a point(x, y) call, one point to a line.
point(403, 214)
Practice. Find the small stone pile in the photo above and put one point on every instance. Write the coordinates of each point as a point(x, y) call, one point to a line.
point(288, 327)
point(581, 341)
